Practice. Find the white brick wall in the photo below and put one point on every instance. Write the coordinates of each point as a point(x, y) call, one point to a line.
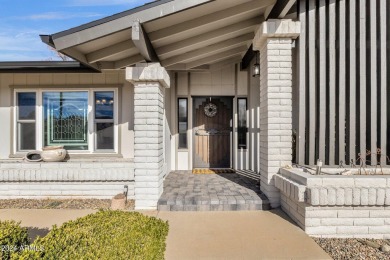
point(274, 41)
point(149, 89)
point(324, 211)
point(101, 180)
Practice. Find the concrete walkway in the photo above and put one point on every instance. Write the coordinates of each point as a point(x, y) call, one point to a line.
point(206, 235)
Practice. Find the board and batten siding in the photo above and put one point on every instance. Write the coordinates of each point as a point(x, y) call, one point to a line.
point(343, 62)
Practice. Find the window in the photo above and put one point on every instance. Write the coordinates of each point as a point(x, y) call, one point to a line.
point(182, 122)
point(242, 128)
point(104, 120)
point(26, 120)
point(65, 119)
point(79, 120)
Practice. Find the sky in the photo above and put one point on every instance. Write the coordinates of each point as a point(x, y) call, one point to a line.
point(22, 21)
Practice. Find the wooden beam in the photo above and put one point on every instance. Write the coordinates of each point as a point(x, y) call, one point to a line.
point(128, 61)
point(76, 55)
point(322, 81)
point(342, 81)
point(363, 78)
point(183, 67)
point(383, 98)
point(352, 82)
point(120, 22)
point(218, 65)
point(208, 20)
point(109, 51)
point(374, 102)
point(301, 149)
point(211, 49)
point(217, 57)
point(246, 60)
point(332, 81)
point(280, 9)
point(312, 82)
point(201, 40)
point(142, 42)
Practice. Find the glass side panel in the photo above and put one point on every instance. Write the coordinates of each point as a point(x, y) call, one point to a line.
point(242, 129)
point(66, 119)
point(104, 105)
point(26, 106)
point(182, 122)
point(105, 136)
point(26, 136)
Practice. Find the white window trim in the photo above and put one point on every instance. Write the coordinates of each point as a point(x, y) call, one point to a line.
point(91, 119)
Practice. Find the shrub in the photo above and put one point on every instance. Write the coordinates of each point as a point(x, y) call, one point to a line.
point(12, 238)
point(103, 235)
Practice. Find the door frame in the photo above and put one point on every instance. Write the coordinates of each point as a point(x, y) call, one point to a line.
point(192, 121)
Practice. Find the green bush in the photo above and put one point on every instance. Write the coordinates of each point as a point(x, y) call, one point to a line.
point(12, 238)
point(103, 235)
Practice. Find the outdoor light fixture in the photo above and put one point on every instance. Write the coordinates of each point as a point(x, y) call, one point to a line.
point(256, 66)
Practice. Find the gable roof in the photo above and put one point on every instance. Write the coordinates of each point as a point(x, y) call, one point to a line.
point(184, 34)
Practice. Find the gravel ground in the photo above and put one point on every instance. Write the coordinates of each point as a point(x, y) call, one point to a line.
point(352, 248)
point(60, 204)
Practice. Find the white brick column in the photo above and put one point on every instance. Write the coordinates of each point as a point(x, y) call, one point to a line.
point(150, 81)
point(274, 41)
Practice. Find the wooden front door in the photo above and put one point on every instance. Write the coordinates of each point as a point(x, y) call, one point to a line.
point(212, 132)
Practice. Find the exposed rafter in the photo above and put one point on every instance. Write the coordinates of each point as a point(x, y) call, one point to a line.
point(217, 57)
point(280, 9)
point(201, 40)
point(211, 49)
point(128, 61)
point(121, 21)
point(141, 41)
point(109, 51)
point(209, 19)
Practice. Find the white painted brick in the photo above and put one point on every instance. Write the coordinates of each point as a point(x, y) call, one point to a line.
point(320, 213)
point(366, 181)
point(356, 196)
point(364, 196)
point(331, 196)
point(353, 213)
point(379, 230)
point(372, 196)
point(321, 230)
point(380, 213)
point(348, 230)
point(369, 222)
point(348, 198)
point(387, 197)
point(337, 221)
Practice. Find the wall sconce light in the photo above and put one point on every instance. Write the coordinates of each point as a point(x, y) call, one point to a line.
point(256, 66)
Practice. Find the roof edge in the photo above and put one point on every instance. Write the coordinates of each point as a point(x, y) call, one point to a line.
point(109, 18)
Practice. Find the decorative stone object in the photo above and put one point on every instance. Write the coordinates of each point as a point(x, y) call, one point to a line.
point(33, 156)
point(118, 202)
point(53, 154)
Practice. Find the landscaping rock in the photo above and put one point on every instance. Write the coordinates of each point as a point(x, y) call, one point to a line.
point(385, 248)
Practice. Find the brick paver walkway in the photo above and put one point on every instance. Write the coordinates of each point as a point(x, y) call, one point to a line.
point(184, 191)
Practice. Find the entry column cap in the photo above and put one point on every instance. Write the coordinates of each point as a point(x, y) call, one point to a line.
point(148, 72)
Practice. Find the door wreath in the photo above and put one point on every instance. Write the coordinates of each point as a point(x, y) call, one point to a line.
point(210, 110)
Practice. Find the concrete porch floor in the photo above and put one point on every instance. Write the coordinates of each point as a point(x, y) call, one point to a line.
point(184, 191)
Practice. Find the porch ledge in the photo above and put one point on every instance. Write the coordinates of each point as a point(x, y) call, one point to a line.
point(67, 171)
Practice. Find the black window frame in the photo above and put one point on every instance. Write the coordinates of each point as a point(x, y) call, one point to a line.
point(179, 144)
point(242, 131)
